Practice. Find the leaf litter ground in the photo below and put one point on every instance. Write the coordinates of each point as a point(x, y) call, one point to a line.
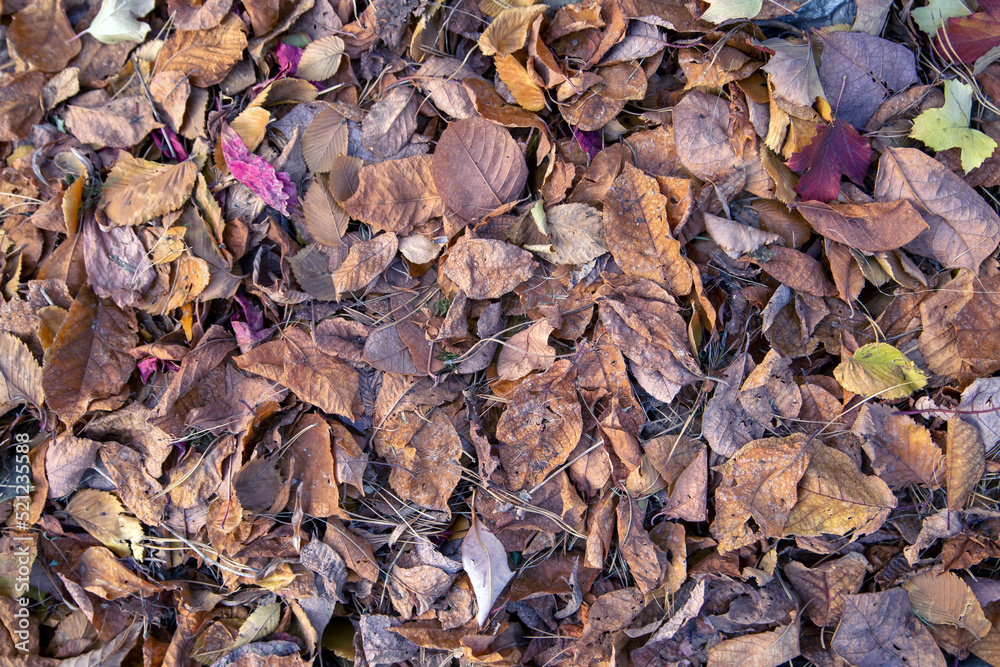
point(499, 332)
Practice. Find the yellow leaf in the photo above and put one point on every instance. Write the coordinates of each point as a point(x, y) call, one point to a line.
point(944, 599)
point(948, 127)
point(101, 514)
point(139, 190)
point(723, 10)
point(525, 91)
point(509, 30)
point(879, 369)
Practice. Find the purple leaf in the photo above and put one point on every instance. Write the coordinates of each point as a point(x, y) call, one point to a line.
point(288, 58)
point(836, 150)
point(253, 171)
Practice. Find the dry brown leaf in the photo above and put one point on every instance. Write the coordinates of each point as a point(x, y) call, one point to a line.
point(66, 460)
point(102, 515)
point(901, 451)
point(638, 233)
point(364, 262)
point(88, 360)
point(484, 558)
point(963, 228)
point(119, 123)
point(98, 572)
point(312, 466)
point(116, 263)
point(326, 220)
point(638, 550)
point(822, 588)
point(526, 351)
point(965, 459)
point(424, 451)
point(869, 227)
point(760, 483)
point(944, 599)
point(442, 79)
point(879, 629)
point(324, 140)
point(734, 238)
point(478, 167)
point(317, 378)
point(576, 233)
point(251, 125)
point(540, 427)
point(527, 93)
point(798, 271)
point(20, 375)
point(700, 123)
point(836, 498)
point(766, 649)
point(487, 269)
point(395, 195)
point(321, 59)
point(509, 30)
point(205, 56)
point(41, 36)
point(391, 122)
point(20, 104)
point(642, 320)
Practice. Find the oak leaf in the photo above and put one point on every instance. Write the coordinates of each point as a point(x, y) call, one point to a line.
point(836, 150)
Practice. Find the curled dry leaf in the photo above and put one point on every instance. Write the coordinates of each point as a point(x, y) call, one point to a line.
point(736, 239)
point(101, 514)
point(509, 30)
point(118, 21)
point(526, 351)
point(485, 561)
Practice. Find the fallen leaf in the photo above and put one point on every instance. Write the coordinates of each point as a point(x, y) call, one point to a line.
point(95, 335)
point(324, 140)
point(364, 262)
point(509, 30)
point(42, 36)
point(541, 426)
point(792, 72)
point(759, 483)
point(734, 238)
point(321, 59)
point(879, 629)
point(870, 227)
point(822, 588)
point(118, 21)
point(20, 375)
point(20, 104)
point(720, 11)
point(396, 195)
point(901, 451)
point(312, 466)
point(638, 233)
point(965, 457)
point(636, 547)
point(138, 190)
point(836, 498)
point(969, 37)
point(948, 127)
point(944, 599)
point(865, 70)
point(390, 122)
point(102, 515)
point(478, 167)
point(118, 123)
point(205, 56)
point(526, 351)
point(936, 13)
point(487, 269)
point(485, 561)
point(879, 369)
point(836, 150)
point(766, 649)
point(326, 220)
point(275, 188)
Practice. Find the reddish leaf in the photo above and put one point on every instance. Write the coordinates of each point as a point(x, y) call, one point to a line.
point(836, 150)
point(970, 37)
point(253, 171)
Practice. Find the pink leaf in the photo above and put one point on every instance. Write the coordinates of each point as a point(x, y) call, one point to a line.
point(288, 58)
point(253, 171)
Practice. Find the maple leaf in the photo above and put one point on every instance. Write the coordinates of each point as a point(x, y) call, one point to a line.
point(253, 171)
point(836, 150)
point(969, 37)
point(948, 127)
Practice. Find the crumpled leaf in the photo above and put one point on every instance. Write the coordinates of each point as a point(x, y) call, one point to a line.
point(274, 188)
point(836, 150)
point(118, 21)
point(485, 561)
point(879, 369)
point(964, 229)
point(868, 69)
point(948, 127)
point(736, 239)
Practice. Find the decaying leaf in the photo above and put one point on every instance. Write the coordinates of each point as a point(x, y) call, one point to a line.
point(879, 369)
point(485, 560)
point(20, 375)
point(879, 629)
point(138, 190)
